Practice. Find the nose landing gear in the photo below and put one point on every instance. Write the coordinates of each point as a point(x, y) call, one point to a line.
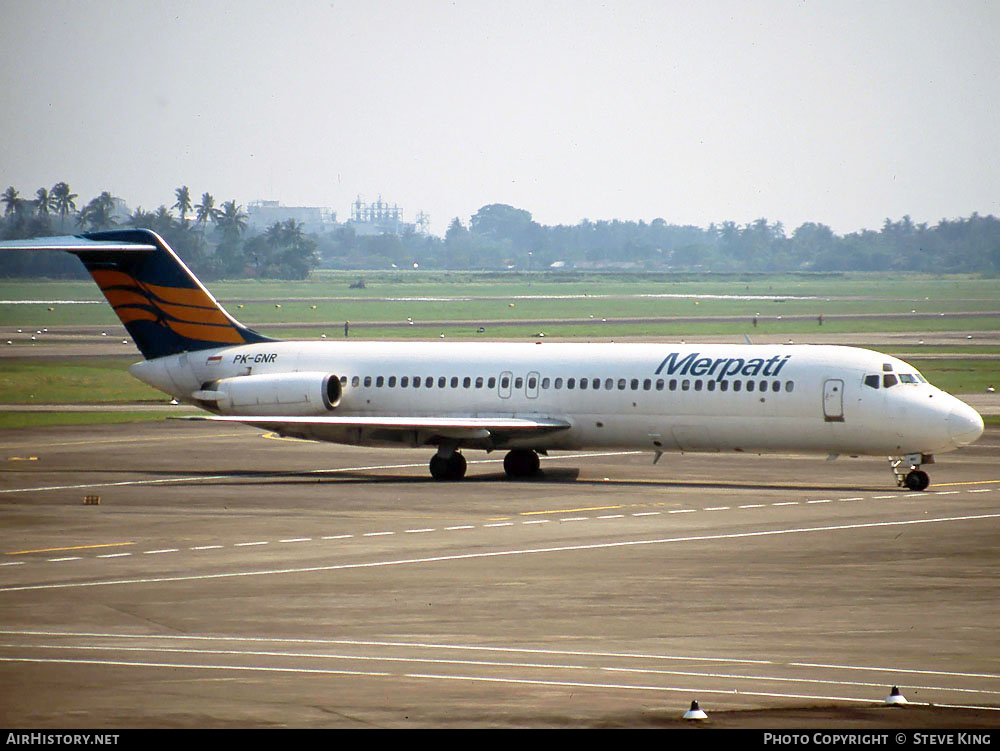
point(907, 470)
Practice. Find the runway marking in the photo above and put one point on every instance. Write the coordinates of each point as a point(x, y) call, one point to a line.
point(503, 650)
point(496, 524)
point(73, 547)
point(69, 558)
point(249, 544)
point(165, 550)
point(115, 555)
point(486, 663)
point(416, 531)
point(570, 510)
point(498, 553)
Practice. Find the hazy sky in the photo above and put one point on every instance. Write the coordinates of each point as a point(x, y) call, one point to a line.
point(837, 112)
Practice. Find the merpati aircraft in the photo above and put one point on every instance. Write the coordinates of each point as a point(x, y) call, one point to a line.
point(524, 398)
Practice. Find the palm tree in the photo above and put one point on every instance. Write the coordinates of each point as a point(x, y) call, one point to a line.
point(97, 213)
point(206, 211)
point(141, 219)
point(44, 202)
point(183, 204)
point(64, 203)
point(12, 199)
point(231, 220)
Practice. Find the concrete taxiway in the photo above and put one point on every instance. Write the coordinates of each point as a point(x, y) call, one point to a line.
point(231, 579)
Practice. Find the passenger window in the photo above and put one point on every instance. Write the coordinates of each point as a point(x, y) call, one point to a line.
point(673, 384)
point(776, 386)
point(454, 382)
point(871, 381)
point(557, 383)
point(697, 384)
point(429, 382)
point(491, 383)
point(596, 384)
point(532, 383)
point(685, 385)
point(711, 385)
point(724, 386)
point(416, 382)
point(789, 386)
point(518, 382)
point(442, 381)
point(888, 380)
point(647, 384)
point(634, 384)
point(504, 382)
point(479, 382)
point(583, 384)
point(570, 383)
point(737, 385)
point(343, 380)
point(749, 385)
point(404, 381)
point(621, 384)
point(392, 382)
point(379, 382)
point(355, 381)
point(368, 381)
point(659, 384)
point(545, 383)
point(466, 382)
point(609, 383)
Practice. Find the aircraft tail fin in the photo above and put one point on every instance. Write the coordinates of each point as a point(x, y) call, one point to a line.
point(162, 304)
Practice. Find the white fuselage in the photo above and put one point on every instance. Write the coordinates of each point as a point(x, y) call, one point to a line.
point(658, 397)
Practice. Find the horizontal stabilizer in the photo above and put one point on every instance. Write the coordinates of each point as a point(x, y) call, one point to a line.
point(75, 244)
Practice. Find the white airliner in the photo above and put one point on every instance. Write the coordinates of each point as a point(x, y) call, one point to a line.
point(526, 399)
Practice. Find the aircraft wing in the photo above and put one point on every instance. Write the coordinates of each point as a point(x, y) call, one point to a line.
point(415, 431)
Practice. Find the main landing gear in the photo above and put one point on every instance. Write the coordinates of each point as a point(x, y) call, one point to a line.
point(907, 470)
point(448, 466)
point(520, 463)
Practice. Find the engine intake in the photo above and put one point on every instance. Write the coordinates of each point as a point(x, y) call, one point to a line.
point(300, 394)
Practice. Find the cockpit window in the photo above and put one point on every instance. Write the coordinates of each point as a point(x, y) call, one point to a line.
point(871, 381)
point(920, 378)
point(888, 380)
point(907, 378)
point(887, 367)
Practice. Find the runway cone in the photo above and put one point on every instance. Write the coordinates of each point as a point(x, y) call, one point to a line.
point(895, 697)
point(696, 713)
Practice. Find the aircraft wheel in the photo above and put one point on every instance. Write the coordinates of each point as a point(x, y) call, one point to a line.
point(521, 463)
point(450, 468)
point(917, 480)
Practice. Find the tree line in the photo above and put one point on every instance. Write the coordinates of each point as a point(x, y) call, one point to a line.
point(211, 239)
point(215, 242)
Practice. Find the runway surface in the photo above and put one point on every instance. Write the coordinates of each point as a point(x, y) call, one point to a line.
point(231, 579)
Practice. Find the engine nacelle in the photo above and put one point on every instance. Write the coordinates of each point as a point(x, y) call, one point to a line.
point(299, 394)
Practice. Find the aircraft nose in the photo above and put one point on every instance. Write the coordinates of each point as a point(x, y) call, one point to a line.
point(964, 425)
